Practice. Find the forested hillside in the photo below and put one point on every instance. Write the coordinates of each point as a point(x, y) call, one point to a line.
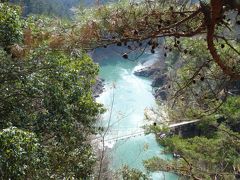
point(47, 111)
point(60, 8)
point(49, 117)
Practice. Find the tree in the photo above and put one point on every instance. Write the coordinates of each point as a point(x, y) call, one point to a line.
point(21, 154)
point(51, 97)
point(205, 37)
point(198, 89)
point(11, 25)
point(151, 20)
point(47, 95)
point(201, 157)
point(134, 174)
point(46, 83)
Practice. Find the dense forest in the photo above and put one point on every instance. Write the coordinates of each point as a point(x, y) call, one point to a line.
point(47, 108)
point(61, 8)
point(48, 115)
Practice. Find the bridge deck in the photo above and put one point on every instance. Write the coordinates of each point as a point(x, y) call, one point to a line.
point(183, 123)
point(133, 132)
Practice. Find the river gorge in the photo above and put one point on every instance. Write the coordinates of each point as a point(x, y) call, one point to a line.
point(126, 98)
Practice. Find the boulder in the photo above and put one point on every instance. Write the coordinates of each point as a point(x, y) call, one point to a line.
point(147, 72)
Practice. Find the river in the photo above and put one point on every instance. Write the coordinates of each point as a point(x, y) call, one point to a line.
point(126, 97)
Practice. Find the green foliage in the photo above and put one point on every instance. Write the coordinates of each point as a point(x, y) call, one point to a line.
point(197, 84)
point(200, 156)
point(21, 155)
point(199, 90)
point(231, 110)
point(47, 92)
point(50, 95)
point(132, 174)
point(10, 25)
point(47, 95)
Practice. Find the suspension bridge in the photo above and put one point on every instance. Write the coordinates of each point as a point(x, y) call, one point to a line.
point(116, 134)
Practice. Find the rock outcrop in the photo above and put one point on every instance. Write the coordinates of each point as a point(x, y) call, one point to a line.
point(160, 94)
point(159, 80)
point(147, 72)
point(98, 87)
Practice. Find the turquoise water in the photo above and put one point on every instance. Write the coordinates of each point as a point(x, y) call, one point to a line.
point(127, 96)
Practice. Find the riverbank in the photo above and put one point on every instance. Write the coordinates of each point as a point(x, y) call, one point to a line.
point(157, 74)
point(125, 97)
point(98, 87)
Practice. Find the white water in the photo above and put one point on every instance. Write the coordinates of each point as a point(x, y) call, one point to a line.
point(128, 96)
